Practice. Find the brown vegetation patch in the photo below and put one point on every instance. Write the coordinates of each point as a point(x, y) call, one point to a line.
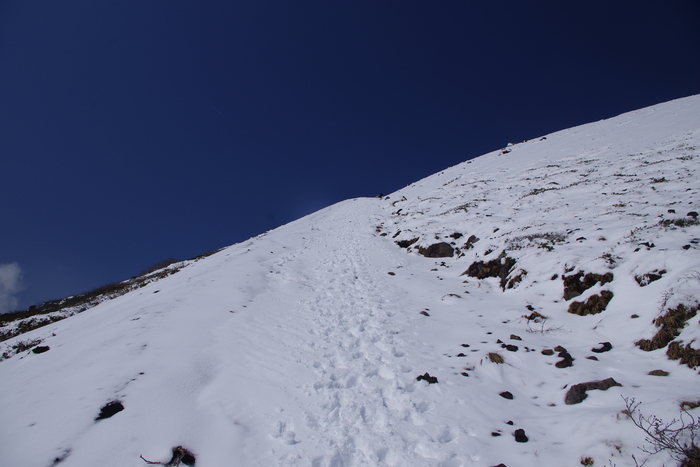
point(671, 324)
point(687, 355)
point(496, 358)
point(516, 279)
point(594, 305)
point(576, 284)
point(499, 267)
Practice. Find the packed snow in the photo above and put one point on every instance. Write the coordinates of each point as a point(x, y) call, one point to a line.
point(304, 346)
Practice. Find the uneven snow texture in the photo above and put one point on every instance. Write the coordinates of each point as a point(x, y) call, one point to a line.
point(299, 348)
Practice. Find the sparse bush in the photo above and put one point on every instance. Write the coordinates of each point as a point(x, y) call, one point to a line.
point(546, 240)
point(610, 259)
point(679, 222)
point(22, 346)
point(678, 438)
point(159, 265)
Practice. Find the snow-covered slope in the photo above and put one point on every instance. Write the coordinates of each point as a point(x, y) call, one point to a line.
point(302, 346)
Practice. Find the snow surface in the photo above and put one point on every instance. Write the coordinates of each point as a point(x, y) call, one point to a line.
point(299, 348)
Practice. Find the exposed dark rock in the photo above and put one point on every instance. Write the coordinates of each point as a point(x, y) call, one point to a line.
point(424, 313)
point(428, 378)
point(494, 434)
point(658, 373)
point(520, 436)
point(646, 279)
point(509, 422)
point(577, 393)
point(461, 355)
point(692, 214)
point(511, 348)
point(109, 410)
point(594, 305)
point(576, 284)
point(41, 349)
point(591, 357)
point(565, 363)
point(548, 352)
point(499, 267)
point(406, 243)
point(604, 347)
point(391, 273)
point(566, 359)
point(456, 235)
point(180, 456)
point(506, 395)
point(515, 338)
point(438, 250)
point(470, 242)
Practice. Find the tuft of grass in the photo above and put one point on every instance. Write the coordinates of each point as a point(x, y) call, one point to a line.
point(671, 324)
point(594, 305)
point(688, 405)
point(496, 358)
point(687, 355)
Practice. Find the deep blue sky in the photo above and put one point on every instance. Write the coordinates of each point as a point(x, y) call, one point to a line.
point(137, 130)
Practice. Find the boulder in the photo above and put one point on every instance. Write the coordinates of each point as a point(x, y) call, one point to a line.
point(577, 393)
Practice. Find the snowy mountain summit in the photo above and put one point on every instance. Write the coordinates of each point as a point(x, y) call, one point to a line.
point(498, 313)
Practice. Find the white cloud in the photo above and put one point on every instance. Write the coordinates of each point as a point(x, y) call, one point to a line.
point(10, 285)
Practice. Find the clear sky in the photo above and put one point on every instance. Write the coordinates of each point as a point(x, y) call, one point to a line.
point(136, 130)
